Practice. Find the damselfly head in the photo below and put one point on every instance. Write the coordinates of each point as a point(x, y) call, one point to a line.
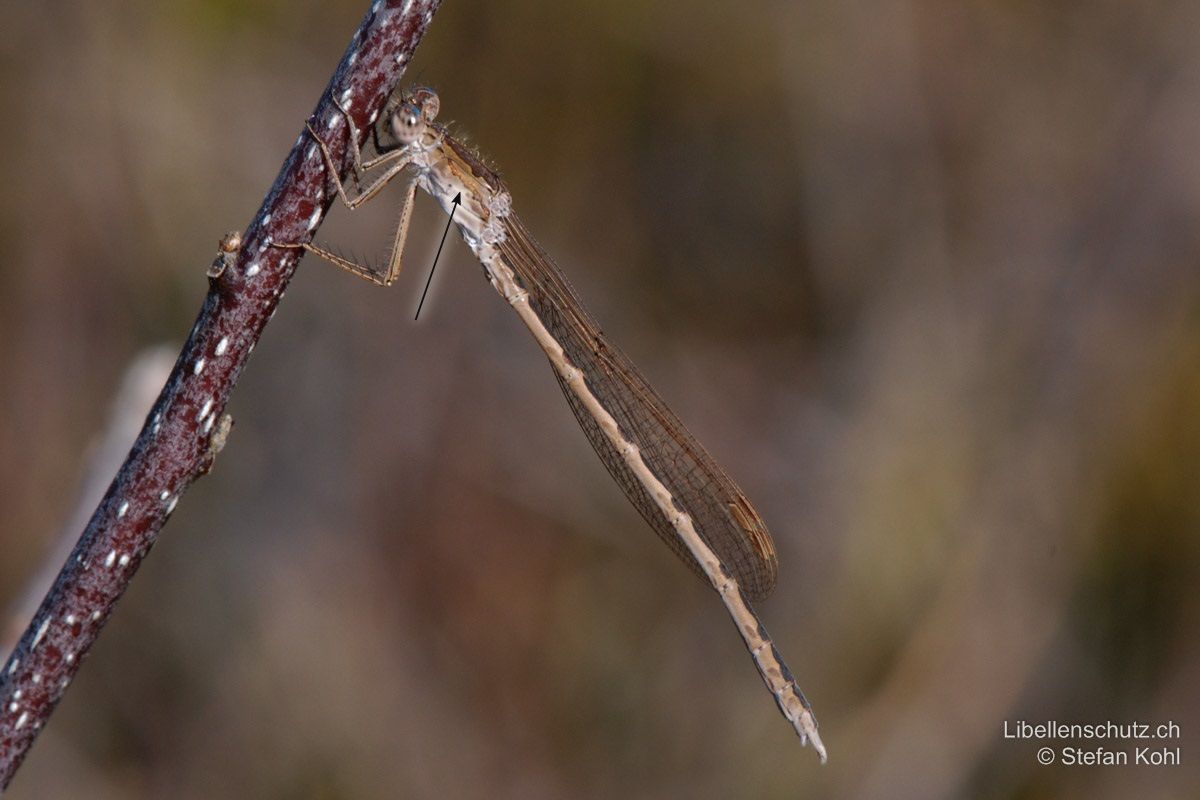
point(425, 99)
point(417, 109)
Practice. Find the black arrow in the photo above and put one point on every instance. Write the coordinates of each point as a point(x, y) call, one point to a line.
point(457, 199)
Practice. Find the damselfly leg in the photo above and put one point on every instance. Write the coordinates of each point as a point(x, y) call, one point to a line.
point(397, 161)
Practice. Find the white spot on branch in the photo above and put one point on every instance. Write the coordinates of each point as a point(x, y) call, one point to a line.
point(41, 631)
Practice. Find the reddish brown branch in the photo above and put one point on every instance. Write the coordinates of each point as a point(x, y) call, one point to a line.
point(186, 426)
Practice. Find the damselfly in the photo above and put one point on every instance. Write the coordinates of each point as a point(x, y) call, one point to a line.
point(669, 477)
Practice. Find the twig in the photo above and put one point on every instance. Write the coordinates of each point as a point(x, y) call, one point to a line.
point(187, 425)
point(147, 371)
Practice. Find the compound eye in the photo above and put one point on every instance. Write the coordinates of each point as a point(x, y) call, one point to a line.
point(428, 101)
point(408, 123)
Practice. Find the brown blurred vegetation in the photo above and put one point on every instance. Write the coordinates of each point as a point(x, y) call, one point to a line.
point(925, 276)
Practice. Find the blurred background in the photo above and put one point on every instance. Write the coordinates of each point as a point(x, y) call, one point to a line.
point(925, 277)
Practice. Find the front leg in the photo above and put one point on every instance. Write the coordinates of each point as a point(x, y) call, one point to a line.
point(397, 161)
point(361, 167)
point(401, 157)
